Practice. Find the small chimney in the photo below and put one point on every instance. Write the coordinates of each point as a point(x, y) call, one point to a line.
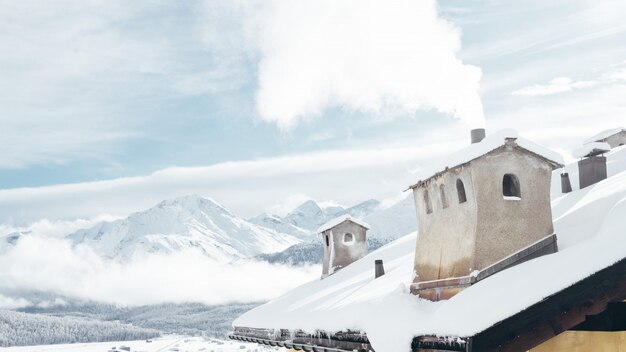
point(591, 170)
point(566, 185)
point(379, 269)
point(478, 134)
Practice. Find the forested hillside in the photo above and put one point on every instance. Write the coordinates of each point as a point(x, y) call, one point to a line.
point(20, 329)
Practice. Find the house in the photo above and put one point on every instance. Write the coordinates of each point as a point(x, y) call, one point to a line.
point(483, 209)
point(570, 300)
point(343, 239)
point(614, 137)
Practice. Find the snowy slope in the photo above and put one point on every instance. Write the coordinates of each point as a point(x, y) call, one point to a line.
point(181, 223)
point(589, 224)
point(159, 344)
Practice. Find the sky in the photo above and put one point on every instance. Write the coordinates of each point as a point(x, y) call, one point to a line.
point(109, 107)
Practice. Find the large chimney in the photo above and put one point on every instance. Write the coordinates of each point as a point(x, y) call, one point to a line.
point(478, 134)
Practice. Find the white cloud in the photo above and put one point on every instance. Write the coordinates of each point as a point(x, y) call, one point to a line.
point(555, 86)
point(80, 78)
point(56, 228)
point(379, 57)
point(51, 265)
point(13, 303)
point(615, 75)
point(247, 187)
point(565, 121)
point(566, 84)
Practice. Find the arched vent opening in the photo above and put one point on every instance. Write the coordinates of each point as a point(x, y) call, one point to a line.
point(442, 195)
point(427, 204)
point(348, 238)
point(511, 187)
point(460, 190)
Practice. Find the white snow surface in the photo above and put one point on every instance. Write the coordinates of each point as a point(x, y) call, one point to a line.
point(338, 220)
point(592, 147)
point(589, 224)
point(182, 223)
point(604, 134)
point(168, 343)
point(475, 150)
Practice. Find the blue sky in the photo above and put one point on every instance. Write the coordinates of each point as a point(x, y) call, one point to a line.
point(103, 90)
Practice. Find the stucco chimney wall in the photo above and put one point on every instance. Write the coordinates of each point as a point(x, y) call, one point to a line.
point(478, 134)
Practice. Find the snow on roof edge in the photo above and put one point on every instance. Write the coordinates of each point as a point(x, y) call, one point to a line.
point(488, 144)
point(338, 220)
point(604, 134)
point(588, 148)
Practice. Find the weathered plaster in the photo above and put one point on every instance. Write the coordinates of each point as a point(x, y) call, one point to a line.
point(464, 237)
point(337, 254)
point(506, 226)
point(445, 244)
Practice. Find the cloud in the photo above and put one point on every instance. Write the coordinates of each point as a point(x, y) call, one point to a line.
point(555, 86)
point(52, 265)
point(247, 187)
point(378, 57)
point(615, 75)
point(56, 228)
point(13, 303)
point(80, 79)
point(565, 121)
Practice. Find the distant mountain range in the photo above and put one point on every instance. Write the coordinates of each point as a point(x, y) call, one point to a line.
point(386, 222)
point(195, 222)
point(183, 223)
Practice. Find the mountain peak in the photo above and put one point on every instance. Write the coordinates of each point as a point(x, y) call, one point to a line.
point(187, 222)
point(310, 206)
point(192, 202)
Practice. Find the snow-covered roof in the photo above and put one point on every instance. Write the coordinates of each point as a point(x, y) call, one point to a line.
point(604, 134)
point(488, 144)
point(338, 220)
point(589, 223)
point(591, 148)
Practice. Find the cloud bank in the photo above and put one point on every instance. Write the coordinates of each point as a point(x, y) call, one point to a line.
point(320, 175)
point(52, 265)
point(378, 57)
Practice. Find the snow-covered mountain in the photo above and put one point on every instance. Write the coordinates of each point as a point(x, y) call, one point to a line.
point(387, 222)
point(394, 221)
point(310, 215)
point(277, 224)
point(7, 241)
point(181, 223)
